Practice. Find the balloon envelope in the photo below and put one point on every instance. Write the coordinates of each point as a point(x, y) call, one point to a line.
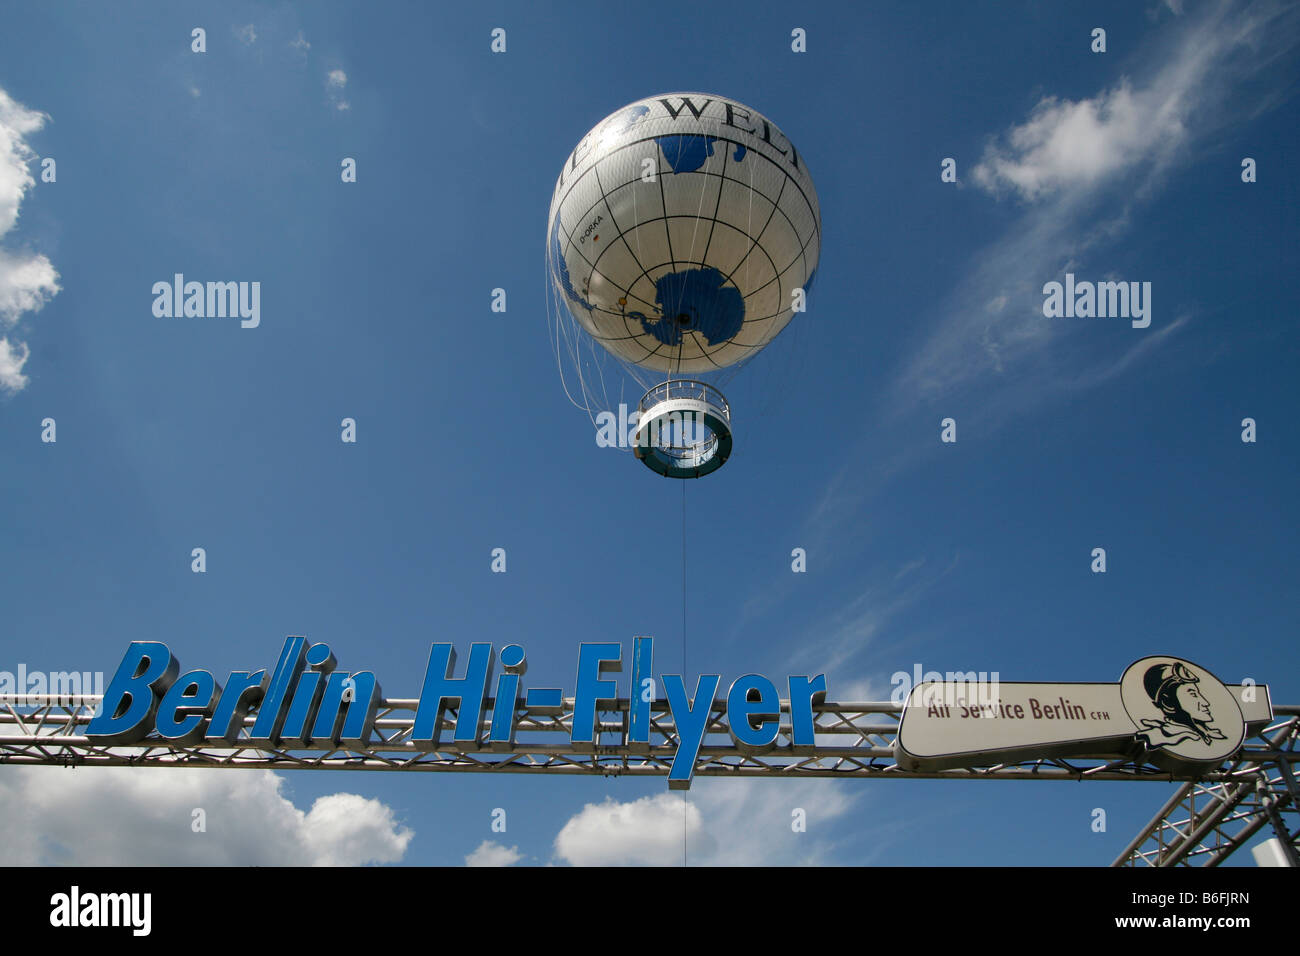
point(681, 230)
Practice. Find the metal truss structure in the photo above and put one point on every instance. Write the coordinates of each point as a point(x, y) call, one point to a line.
point(1223, 808)
point(1205, 821)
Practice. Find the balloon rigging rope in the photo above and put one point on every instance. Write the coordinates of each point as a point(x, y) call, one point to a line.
point(576, 346)
point(684, 816)
point(555, 314)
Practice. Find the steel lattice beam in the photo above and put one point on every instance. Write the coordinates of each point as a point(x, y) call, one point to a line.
point(853, 740)
point(1205, 821)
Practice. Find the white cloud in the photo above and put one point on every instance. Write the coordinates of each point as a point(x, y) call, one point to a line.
point(1068, 145)
point(16, 122)
point(300, 43)
point(27, 280)
point(741, 822)
point(489, 853)
point(336, 79)
point(128, 816)
point(646, 832)
point(12, 359)
point(246, 34)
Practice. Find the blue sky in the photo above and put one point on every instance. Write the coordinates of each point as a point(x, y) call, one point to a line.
point(1072, 433)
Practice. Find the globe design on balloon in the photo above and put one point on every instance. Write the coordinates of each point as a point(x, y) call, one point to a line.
point(680, 229)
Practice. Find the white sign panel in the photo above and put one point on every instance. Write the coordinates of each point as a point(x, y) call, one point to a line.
point(1178, 715)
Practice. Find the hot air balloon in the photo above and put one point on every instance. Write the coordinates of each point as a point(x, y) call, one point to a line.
point(683, 236)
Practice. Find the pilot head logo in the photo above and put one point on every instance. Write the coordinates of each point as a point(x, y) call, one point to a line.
point(1183, 713)
point(1186, 713)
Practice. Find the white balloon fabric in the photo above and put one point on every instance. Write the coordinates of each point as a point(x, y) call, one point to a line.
point(680, 229)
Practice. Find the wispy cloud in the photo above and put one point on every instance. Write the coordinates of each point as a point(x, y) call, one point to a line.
point(1064, 162)
point(850, 640)
point(1098, 374)
point(336, 82)
point(246, 34)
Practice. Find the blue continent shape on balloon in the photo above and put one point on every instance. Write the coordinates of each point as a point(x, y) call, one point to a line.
point(714, 310)
point(686, 153)
point(562, 268)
